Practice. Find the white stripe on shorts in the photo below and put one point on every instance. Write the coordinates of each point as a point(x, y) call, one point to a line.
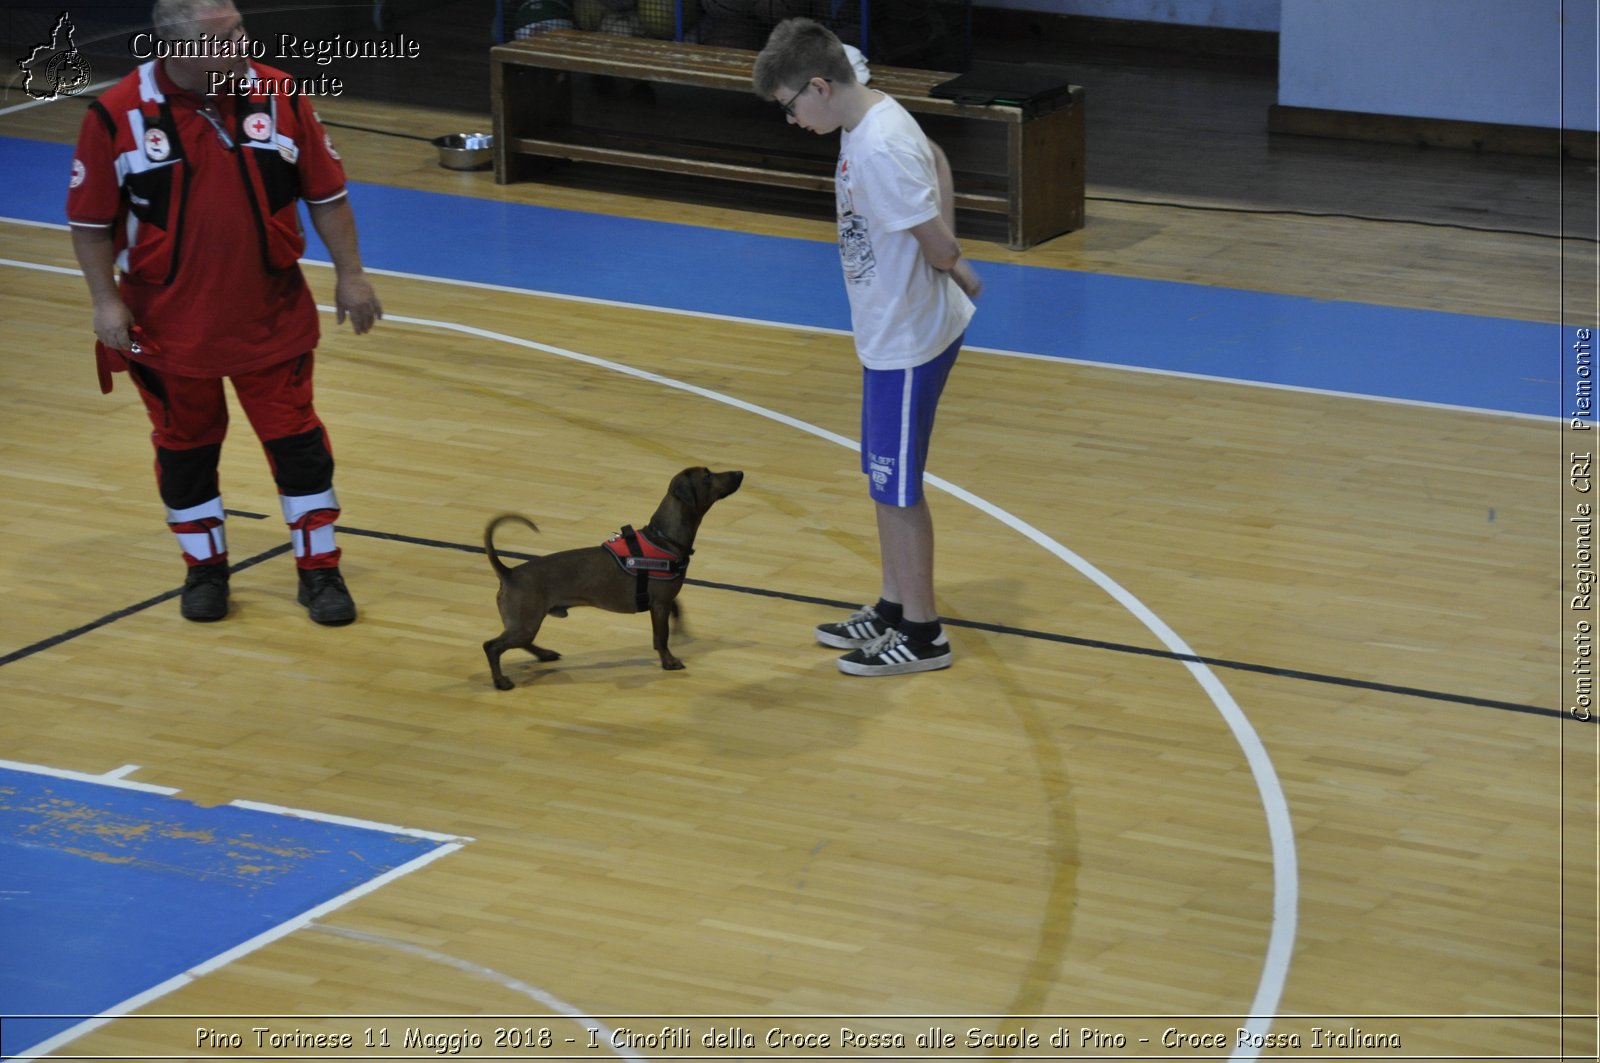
point(906, 428)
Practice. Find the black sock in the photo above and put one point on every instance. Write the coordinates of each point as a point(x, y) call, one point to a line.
point(891, 613)
point(920, 632)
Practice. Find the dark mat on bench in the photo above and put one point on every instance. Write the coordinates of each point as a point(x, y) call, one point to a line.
point(1034, 87)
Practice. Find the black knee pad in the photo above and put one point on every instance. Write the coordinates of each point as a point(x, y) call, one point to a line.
point(188, 477)
point(301, 464)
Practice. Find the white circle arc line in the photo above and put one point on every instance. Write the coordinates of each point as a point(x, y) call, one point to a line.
point(601, 1034)
point(1280, 831)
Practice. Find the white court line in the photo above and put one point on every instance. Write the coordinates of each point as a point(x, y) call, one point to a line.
point(347, 821)
point(59, 226)
point(222, 959)
point(602, 1032)
point(41, 267)
point(1285, 879)
point(97, 86)
point(117, 778)
point(999, 352)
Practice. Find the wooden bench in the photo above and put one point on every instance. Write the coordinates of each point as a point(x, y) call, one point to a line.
point(689, 109)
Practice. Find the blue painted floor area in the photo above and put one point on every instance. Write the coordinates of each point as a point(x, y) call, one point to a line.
point(1357, 348)
point(106, 892)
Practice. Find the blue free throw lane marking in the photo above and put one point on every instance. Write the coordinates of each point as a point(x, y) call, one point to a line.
point(106, 892)
point(1386, 352)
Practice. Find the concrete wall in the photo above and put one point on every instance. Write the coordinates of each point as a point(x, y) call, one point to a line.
point(1511, 62)
point(1497, 61)
point(1223, 14)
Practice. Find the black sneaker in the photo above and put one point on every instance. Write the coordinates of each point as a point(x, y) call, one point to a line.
point(860, 628)
point(205, 593)
point(894, 654)
point(323, 593)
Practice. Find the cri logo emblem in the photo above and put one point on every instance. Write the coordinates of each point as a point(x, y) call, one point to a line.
point(156, 145)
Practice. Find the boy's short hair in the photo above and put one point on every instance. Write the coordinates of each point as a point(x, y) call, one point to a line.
point(798, 50)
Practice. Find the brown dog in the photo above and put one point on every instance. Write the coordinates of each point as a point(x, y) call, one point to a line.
point(604, 576)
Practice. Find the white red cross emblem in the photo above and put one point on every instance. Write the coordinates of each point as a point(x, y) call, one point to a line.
point(156, 145)
point(258, 127)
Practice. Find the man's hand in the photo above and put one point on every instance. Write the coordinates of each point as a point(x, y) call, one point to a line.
point(112, 321)
point(92, 246)
point(353, 297)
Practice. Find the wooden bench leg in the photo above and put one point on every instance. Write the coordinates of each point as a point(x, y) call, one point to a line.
point(1046, 177)
point(528, 102)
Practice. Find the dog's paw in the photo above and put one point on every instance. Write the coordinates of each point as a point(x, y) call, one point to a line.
point(502, 683)
point(672, 664)
point(546, 655)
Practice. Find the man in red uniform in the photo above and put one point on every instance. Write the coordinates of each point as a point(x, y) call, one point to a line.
point(192, 196)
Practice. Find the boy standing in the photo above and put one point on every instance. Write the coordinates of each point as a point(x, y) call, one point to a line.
point(910, 300)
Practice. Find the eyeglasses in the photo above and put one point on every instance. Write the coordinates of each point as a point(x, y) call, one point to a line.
point(788, 108)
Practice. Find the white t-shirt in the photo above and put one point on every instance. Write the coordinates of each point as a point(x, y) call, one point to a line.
point(902, 310)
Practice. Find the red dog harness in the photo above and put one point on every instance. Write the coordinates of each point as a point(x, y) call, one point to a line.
point(636, 555)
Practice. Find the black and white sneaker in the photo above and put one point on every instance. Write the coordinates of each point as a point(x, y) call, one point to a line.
point(862, 626)
point(892, 653)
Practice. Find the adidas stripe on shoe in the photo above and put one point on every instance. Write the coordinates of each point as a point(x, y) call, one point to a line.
point(894, 654)
point(860, 628)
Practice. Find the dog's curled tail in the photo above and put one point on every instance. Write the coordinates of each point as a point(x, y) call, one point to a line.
point(500, 567)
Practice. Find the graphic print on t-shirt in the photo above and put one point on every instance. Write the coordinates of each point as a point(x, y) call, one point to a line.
point(855, 241)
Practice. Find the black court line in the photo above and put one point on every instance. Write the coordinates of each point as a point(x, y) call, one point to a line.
point(806, 599)
point(1168, 655)
point(1070, 640)
point(111, 618)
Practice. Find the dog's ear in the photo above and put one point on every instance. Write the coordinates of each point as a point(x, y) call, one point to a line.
point(683, 488)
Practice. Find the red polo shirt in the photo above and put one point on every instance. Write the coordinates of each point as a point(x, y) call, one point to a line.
point(224, 311)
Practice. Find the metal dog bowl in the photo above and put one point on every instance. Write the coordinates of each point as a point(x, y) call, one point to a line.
point(465, 151)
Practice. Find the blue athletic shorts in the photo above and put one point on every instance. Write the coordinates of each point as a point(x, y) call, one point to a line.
point(897, 408)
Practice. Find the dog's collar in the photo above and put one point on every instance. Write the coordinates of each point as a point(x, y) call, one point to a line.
point(643, 559)
point(641, 551)
point(668, 545)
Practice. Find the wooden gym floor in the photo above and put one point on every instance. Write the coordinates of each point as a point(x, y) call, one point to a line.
point(1359, 803)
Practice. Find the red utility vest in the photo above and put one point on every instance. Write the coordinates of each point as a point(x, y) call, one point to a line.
point(151, 170)
point(636, 555)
